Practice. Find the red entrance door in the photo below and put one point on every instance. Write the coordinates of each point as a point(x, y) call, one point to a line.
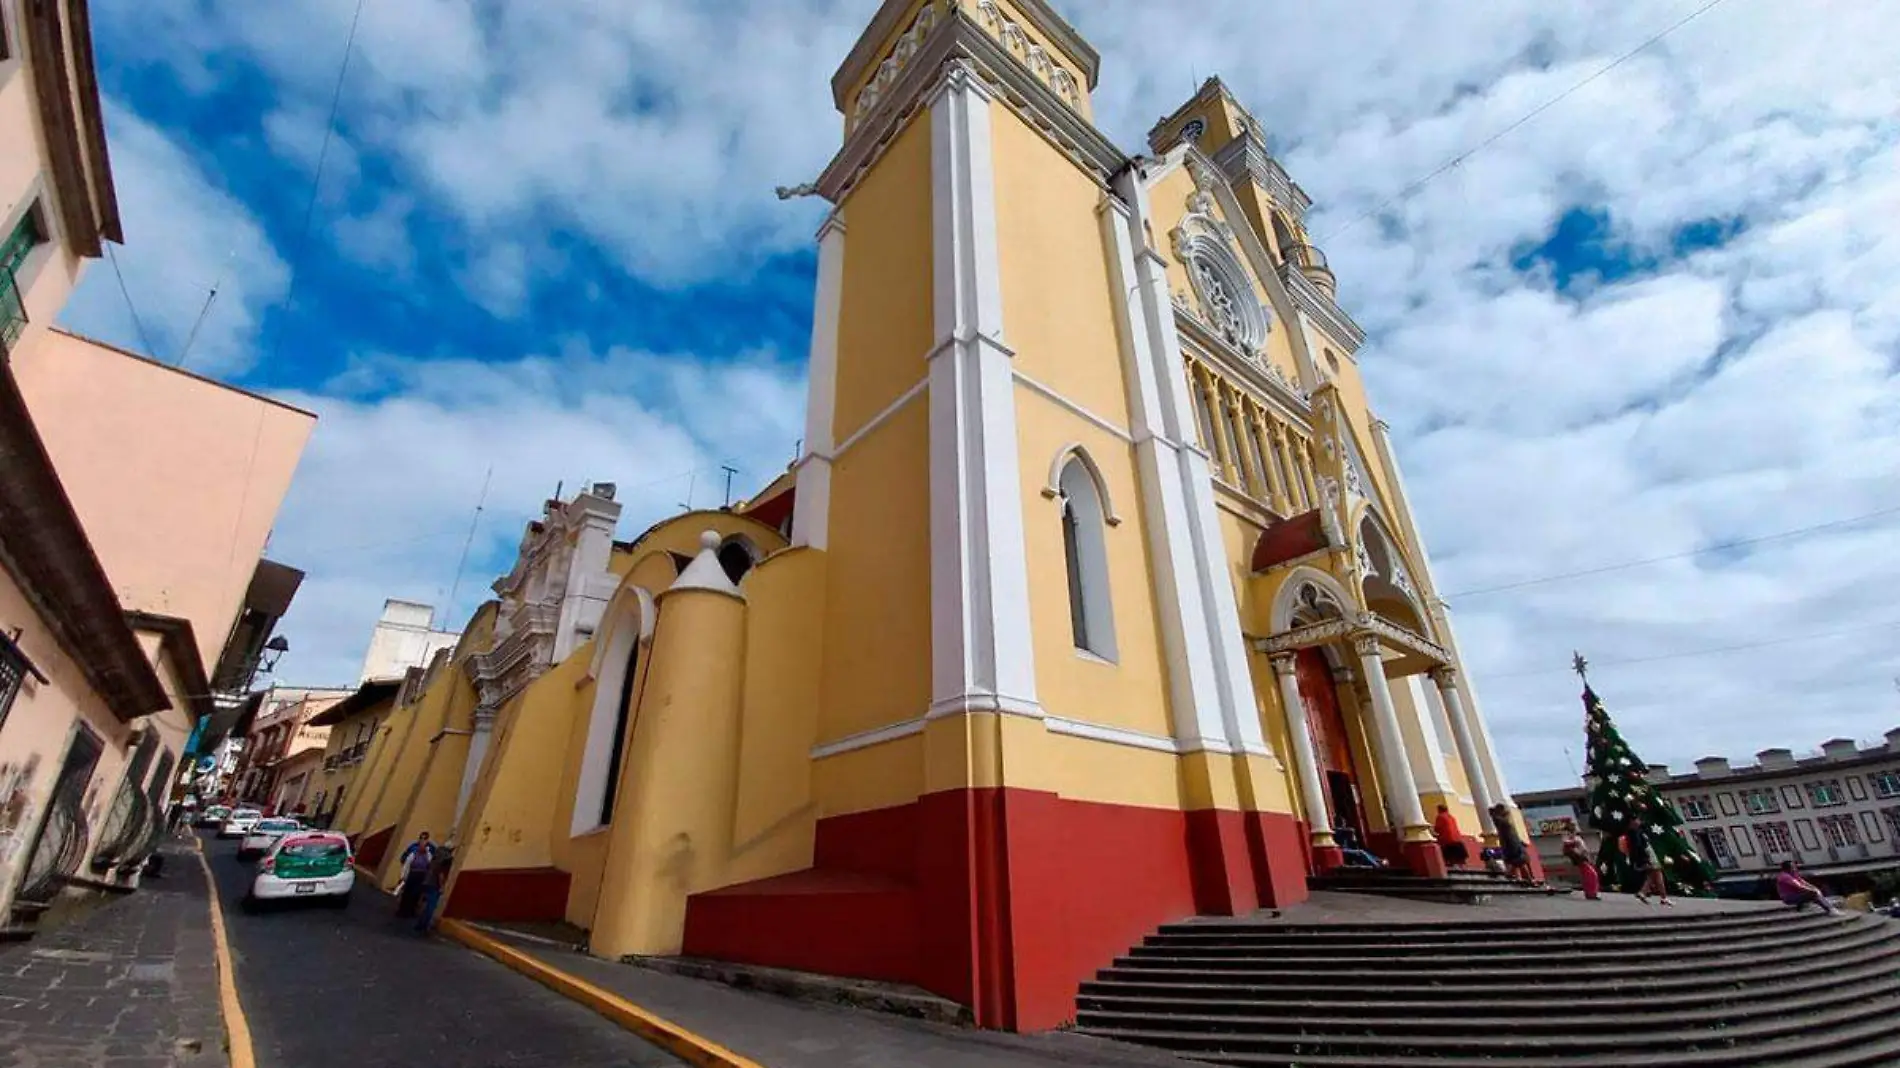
point(1332, 750)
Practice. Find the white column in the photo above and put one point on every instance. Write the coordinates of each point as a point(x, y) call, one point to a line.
point(1400, 790)
point(1318, 821)
point(1428, 759)
point(1481, 796)
point(1198, 523)
point(1193, 692)
point(472, 767)
point(811, 511)
point(982, 655)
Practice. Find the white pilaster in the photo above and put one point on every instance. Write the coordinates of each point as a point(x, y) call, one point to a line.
point(982, 653)
point(811, 511)
point(588, 584)
point(1401, 791)
point(1319, 822)
point(472, 767)
point(1203, 592)
point(1481, 796)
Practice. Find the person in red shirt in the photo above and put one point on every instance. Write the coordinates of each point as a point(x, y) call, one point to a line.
point(1450, 838)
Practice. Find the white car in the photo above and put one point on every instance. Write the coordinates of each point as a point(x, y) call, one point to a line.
point(316, 865)
point(239, 822)
point(264, 834)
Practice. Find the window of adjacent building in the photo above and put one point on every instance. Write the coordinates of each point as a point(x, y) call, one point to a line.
point(1886, 783)
point(1774, 838)
point(1791, 797)
point(1085, 556)
point(1697, 808)
point(1892, 815)
point(1870, 827)
point(1726, 802)
point(12, 675)
point(1856, 789)
point(1840, 831)
point(1760, 802)
point(27, 234)
point(1744, 842)
point(1827, 793)
point(1804, 830)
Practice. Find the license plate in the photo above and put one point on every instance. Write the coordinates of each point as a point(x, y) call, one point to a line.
point(306, 888)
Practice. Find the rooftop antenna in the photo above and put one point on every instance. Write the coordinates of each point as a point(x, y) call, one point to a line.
point(185, 352)
point(470, 540)
point(730, 471)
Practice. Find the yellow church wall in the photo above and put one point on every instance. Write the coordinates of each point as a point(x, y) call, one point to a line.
point(774, 815)
point(411, 773)
point(877, 615)
point(515, 823)
point(371, 775)
point(885, 325)
point(1058, 295)
point(860, 780)
point(1132, 692)
point(399, 768)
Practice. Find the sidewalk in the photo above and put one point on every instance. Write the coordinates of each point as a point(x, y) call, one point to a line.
point(131, 984)
point(782, 1033)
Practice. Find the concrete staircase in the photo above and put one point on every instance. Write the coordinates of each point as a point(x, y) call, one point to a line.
point(1755, 988)
point(1459, 886)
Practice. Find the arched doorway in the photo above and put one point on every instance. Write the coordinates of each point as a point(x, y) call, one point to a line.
point(1332, 745)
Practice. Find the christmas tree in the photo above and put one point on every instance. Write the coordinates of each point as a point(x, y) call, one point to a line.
point(1619, 791)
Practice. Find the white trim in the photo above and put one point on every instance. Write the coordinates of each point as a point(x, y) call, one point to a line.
point(1052, 489)
point(811, 510)
point(982, 644)
point(866, 739)
point(1100, 732)
point(916, 390)
point(1060, 401)
point(964, 703)
point(627, 625)
point(1428, 761)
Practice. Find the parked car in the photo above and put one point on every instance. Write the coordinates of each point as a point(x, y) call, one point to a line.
point(214, 816)
point(258, 840)
point(239, 822)
point(305, 864)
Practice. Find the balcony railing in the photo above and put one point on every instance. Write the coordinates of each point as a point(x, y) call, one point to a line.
point(12, 310)
point(1853, 851)
point(1311, 262)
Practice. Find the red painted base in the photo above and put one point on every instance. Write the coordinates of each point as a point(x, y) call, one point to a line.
point(1326, 858)
point(1002, 900)
point(517, 895)
point(1424, 858)
point(369, 852)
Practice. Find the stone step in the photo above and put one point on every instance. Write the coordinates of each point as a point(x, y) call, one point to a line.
point(1752, 1043)
point(1552, 1018)
point(1315, 967)
point(1300, 982)
point(1660, 918)
point(1221, 1000)
point(1791, 927)
point(1405, 955)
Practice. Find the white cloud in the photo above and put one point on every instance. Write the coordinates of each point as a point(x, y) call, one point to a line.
point(183, 236)
point(1741, 391)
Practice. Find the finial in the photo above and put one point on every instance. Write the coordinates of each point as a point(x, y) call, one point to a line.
point(709, 541)
point(1581, 666)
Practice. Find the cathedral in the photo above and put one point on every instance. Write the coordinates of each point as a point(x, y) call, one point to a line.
point(1094, 601)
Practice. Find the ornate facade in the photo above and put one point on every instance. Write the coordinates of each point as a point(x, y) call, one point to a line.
point(1094, 602)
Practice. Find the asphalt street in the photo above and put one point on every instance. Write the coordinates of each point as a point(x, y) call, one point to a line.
point(357, 988)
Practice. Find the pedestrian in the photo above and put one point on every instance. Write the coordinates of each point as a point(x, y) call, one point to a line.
point(1799, 892)
point(415, 862)
point(1451, 840)
point(435, 885)
point(1352, 852)
point(1642, 857)
point(1517, 859)
point(1577, 852)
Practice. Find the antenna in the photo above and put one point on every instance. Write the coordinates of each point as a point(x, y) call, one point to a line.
point(456, 588)
point(691, 484)
point(185, 352)
point(730, 471)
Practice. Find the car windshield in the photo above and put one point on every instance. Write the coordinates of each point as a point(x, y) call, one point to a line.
point(217, 810)
point(314, 849)
point(278, 825)
point(246, 814)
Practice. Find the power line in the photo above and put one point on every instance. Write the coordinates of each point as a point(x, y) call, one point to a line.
point(1415, 186)
point(1714, 548)
point(1687, 653)
point(137, 323)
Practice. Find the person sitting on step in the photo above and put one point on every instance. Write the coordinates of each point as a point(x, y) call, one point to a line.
point(1798, 892)
point(1450, 839)
point(1354, 854)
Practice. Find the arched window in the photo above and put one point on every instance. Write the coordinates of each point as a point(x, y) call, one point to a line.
point(1085, 554)
point(622, 711)
point(1283, 236)
point(736, 558)
point(615, 668)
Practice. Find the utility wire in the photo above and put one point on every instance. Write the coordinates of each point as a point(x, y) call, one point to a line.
point(1687, 553)
point(1415, 186)
point(137, 323)
point(1687, 653)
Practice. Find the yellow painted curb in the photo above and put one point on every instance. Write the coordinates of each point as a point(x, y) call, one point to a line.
point(684, 1044)
point(237, 1030)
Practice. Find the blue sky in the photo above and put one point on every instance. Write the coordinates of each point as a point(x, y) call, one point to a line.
point(545, 249)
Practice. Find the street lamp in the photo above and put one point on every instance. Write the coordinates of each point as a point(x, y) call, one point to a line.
point(274, 651)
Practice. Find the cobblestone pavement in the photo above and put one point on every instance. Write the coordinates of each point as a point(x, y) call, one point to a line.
point(356, 988)
point(132, 983)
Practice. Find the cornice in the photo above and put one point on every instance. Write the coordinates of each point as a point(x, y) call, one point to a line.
point(957, 38)
point(869, 49)
point(1322, 308)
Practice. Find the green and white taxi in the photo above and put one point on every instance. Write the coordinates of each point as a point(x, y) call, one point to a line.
point(305, 865)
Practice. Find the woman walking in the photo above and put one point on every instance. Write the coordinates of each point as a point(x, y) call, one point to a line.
point(1517, 859)
point(1577, 852)
point(1643, 859)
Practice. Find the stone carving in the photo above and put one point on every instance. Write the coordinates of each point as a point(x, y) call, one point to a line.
point(1366, 645)
point(1034, 56)
point(1228, 304)
point(902, 53)
point(1329, 510)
